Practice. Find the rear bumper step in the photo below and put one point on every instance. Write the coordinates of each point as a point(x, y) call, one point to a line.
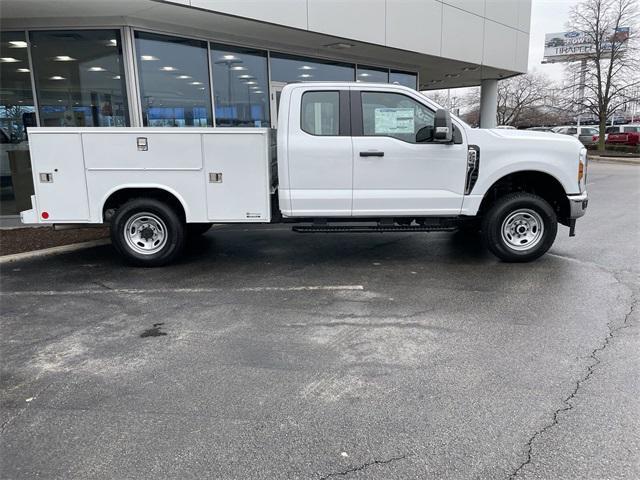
point(371, 229)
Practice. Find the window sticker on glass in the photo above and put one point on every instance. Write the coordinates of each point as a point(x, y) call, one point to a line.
point(394, 120)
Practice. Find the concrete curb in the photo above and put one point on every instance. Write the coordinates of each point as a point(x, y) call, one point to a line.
point(53, 250)
point(619, 160)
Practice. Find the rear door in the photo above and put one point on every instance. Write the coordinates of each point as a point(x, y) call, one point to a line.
point(319, 153)
point(393, 173)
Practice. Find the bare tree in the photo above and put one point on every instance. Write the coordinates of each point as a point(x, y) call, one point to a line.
point(518, 96)
point(611, 71)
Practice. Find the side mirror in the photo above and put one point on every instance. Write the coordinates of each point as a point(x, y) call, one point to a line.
point(425, 134)
point(443, 128)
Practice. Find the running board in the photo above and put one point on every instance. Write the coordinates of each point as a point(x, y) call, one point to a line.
point(371, 229)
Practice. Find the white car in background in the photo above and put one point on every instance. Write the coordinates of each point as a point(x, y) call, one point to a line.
point(583, 133)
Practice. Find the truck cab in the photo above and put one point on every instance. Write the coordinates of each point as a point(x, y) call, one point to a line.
point(349, 157)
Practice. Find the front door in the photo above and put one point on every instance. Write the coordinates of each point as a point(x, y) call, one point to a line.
point(393, 173)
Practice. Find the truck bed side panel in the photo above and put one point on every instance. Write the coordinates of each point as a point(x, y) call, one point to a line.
point(241, 193)
point(62, 192)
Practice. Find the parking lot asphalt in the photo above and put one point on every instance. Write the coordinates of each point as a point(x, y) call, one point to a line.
point(266, 354)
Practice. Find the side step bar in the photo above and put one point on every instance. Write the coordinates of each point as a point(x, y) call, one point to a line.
point(371, 229)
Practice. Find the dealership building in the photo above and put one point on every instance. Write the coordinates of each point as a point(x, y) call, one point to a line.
point(219, 63)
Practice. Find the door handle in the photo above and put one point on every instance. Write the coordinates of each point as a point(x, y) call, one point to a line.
point(372, 154)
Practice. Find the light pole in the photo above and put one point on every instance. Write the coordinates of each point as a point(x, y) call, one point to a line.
point(229, 61)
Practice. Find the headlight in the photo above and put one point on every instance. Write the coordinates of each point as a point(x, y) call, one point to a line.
point(582, 170)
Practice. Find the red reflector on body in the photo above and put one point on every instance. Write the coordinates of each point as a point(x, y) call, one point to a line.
point(45, 215)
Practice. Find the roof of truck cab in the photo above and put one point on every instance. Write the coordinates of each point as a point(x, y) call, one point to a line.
point(334, 84)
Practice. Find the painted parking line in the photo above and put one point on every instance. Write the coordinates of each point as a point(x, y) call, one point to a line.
point(151, 291)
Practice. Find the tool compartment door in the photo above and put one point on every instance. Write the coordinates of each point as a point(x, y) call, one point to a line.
point(59, 177)
point(237, 175)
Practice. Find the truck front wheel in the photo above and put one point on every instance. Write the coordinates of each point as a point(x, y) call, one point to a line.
point(519, 227)
point(147, 232)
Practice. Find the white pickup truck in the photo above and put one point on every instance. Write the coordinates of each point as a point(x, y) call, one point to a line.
point(351, 157)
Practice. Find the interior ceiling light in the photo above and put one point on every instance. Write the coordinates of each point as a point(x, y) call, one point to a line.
point(245, 76)
point(148, 58)
point(168, 69)
point(63, 58)
point(8, 60)
point(18, 44)
point(97, 69)
point(56, 77)
point(112, 43)
point(304, 75)
point(258, 91)
point(339, 45)
point(363, 74)
point(305, 67)
point(23, 70)
point(183, 77)
point(238, 68)
point(250, 82)
point(229, 57)
point(116, 77)
point(195, 83)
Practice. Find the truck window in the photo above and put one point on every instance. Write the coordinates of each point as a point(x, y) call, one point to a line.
point(611, 130)
point(631, 129)
point(321, 113)
point(394, 115)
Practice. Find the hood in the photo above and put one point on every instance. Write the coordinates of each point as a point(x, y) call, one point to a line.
point(533, 137)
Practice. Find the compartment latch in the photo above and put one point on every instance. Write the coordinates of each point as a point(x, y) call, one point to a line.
point(143, 144)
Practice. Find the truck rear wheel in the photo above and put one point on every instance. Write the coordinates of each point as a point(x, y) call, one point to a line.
point(147, 232)
point(519, 227)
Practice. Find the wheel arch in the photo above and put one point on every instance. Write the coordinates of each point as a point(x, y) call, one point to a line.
point(536, 182)
point(121, 194)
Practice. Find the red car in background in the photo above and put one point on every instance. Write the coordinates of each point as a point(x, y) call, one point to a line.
point(621, 135)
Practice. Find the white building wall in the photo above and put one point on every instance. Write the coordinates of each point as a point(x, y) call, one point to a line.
point(485, 32)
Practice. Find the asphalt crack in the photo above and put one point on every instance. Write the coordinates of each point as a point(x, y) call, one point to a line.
point(362, 467)
point(21, 410)
point(567, 402)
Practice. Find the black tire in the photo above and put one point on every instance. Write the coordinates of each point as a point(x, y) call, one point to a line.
point(195, 229)
point(519, 211)
point(157, 215)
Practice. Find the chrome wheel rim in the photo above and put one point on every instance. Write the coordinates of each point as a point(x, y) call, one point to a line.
point(145, 233)
point(522, 230)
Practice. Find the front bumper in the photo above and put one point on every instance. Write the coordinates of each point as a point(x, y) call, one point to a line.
point(577, 205)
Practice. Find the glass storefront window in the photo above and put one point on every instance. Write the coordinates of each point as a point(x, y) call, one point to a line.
point(174, 81)
point(80, 78)
point(287, 68)
point(372, 74)
point(404, 78)
point(17, 112)
point(240, 86)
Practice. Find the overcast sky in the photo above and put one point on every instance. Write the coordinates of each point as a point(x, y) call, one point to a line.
point(547, 16)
